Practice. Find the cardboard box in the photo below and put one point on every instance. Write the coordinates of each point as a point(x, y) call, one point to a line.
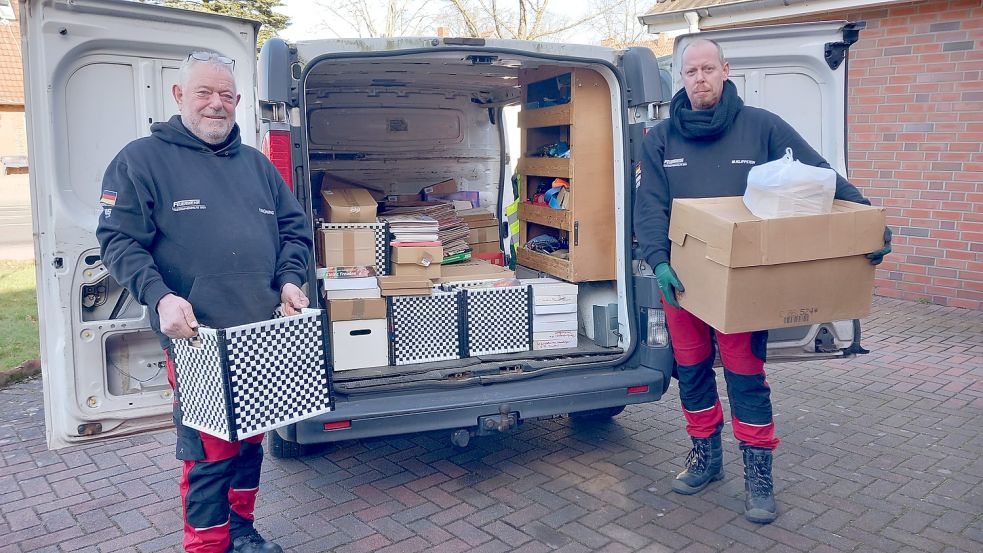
point(475, 269)
point(423, 256)
point(349, 205)
point(742, 273)
point(442, 187)
point(416, 271)
point(548, 318)
point(359, 344)
point(477, 217)
point(483, 234)
point(550, 291)
point(334, 182)
point(554, 308)
point(346, 247)
point(417, 261)
point(496, 258)
point(486, 247)
point(569, 324)
point(557, 339)
point(402, 285)
point(356, 309)
point(407, 292)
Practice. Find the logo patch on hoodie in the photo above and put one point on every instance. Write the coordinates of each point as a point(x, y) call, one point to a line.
point(185, 205)
point(678, 162)
point(267, 211)
point(108, 200)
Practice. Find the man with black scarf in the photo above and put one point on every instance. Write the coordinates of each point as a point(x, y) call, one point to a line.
point(706, 149)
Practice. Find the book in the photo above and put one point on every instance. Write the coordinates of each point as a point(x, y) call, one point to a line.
point(356, 283)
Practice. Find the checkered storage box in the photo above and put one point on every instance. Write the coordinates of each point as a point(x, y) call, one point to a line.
point(424, 328)
point(495, 319)
point(381, 241)
point(238, 382)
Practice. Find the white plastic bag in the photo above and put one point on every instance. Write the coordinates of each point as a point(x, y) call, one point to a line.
point(785, 188)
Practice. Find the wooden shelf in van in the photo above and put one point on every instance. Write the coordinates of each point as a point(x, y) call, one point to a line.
point(560, 268)
point(545, 166)
point(545, 117)
point(546, 216)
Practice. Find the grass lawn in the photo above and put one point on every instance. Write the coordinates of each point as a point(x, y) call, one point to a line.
point(18, 314)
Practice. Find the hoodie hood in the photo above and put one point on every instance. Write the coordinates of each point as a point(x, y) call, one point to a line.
point(174, 132)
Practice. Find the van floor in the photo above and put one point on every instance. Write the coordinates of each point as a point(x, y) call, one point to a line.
point(586, 350)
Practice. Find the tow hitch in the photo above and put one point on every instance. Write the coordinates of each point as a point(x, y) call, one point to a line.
point(504, 421)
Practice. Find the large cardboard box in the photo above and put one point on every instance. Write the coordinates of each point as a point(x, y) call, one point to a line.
point(346, 247)
point(742, 273)
point(349, 205)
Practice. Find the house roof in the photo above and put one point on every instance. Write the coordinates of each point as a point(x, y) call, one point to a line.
point(668, 15)
point(11, 70)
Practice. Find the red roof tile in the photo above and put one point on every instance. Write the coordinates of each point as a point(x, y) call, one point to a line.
point(11, 70)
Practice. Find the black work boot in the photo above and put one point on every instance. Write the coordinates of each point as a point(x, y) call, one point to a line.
point(704, 464)
point(759, 502)
point(254, 543)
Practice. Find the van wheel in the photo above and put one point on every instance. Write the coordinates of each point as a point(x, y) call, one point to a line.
point(284, 449)
point(597, 414)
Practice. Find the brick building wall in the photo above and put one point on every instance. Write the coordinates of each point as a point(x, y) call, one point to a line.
point(916, 130)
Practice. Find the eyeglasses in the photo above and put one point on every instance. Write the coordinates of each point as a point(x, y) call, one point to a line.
point(207, 56)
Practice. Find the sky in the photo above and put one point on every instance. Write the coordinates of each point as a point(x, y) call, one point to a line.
point(308, 19)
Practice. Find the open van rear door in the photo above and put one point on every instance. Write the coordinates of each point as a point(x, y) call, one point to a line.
point(798, 71)
point(97, 74)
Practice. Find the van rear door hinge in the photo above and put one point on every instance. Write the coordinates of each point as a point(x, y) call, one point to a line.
point(835, 52)
point(273, 112)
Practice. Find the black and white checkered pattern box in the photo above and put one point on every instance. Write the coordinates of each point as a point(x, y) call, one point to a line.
point(238, 382)
point(496, 319)
point(425, 328)
point(381, 242)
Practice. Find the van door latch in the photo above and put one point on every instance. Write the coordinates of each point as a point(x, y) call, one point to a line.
point(273, 112)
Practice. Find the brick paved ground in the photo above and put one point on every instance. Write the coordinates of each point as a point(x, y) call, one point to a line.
point(880, 453)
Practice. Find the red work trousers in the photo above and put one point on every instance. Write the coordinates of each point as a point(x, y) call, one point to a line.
point(743, 356)
point(218, 485)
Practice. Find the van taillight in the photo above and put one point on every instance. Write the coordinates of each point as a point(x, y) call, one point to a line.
point(638, 389)
point(338, 425)
point(276, 146)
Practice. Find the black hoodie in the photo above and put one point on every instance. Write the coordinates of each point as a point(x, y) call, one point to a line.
point(215, 225)
point(709, 153)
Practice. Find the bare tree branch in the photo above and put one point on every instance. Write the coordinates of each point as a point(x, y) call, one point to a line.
point(468, 17)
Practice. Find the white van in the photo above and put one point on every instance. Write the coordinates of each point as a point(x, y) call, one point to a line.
point(397, 114)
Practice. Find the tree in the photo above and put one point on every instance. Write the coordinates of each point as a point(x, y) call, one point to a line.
point(257, 10)
point(527, 20)
point(381, 18)
point(618, 22)
point(507, 19)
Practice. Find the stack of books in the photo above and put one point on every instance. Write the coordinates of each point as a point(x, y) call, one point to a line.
point(412, 228)
point(452, 232)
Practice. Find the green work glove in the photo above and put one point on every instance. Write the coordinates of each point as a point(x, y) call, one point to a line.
point(668, 283)
point(878, 256)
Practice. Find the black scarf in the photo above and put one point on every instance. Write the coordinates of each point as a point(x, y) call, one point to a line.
point(707, 123)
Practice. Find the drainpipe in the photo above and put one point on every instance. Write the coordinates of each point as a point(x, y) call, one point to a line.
point(693, 19)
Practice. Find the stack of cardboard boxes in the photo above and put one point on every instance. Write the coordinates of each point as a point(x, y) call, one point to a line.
point(554, 308)
point(348, 268)
point(483, 235)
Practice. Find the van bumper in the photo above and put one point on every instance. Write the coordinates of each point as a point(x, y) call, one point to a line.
point(392, 413)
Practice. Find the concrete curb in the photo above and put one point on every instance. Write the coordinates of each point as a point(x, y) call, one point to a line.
point(23, 371)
